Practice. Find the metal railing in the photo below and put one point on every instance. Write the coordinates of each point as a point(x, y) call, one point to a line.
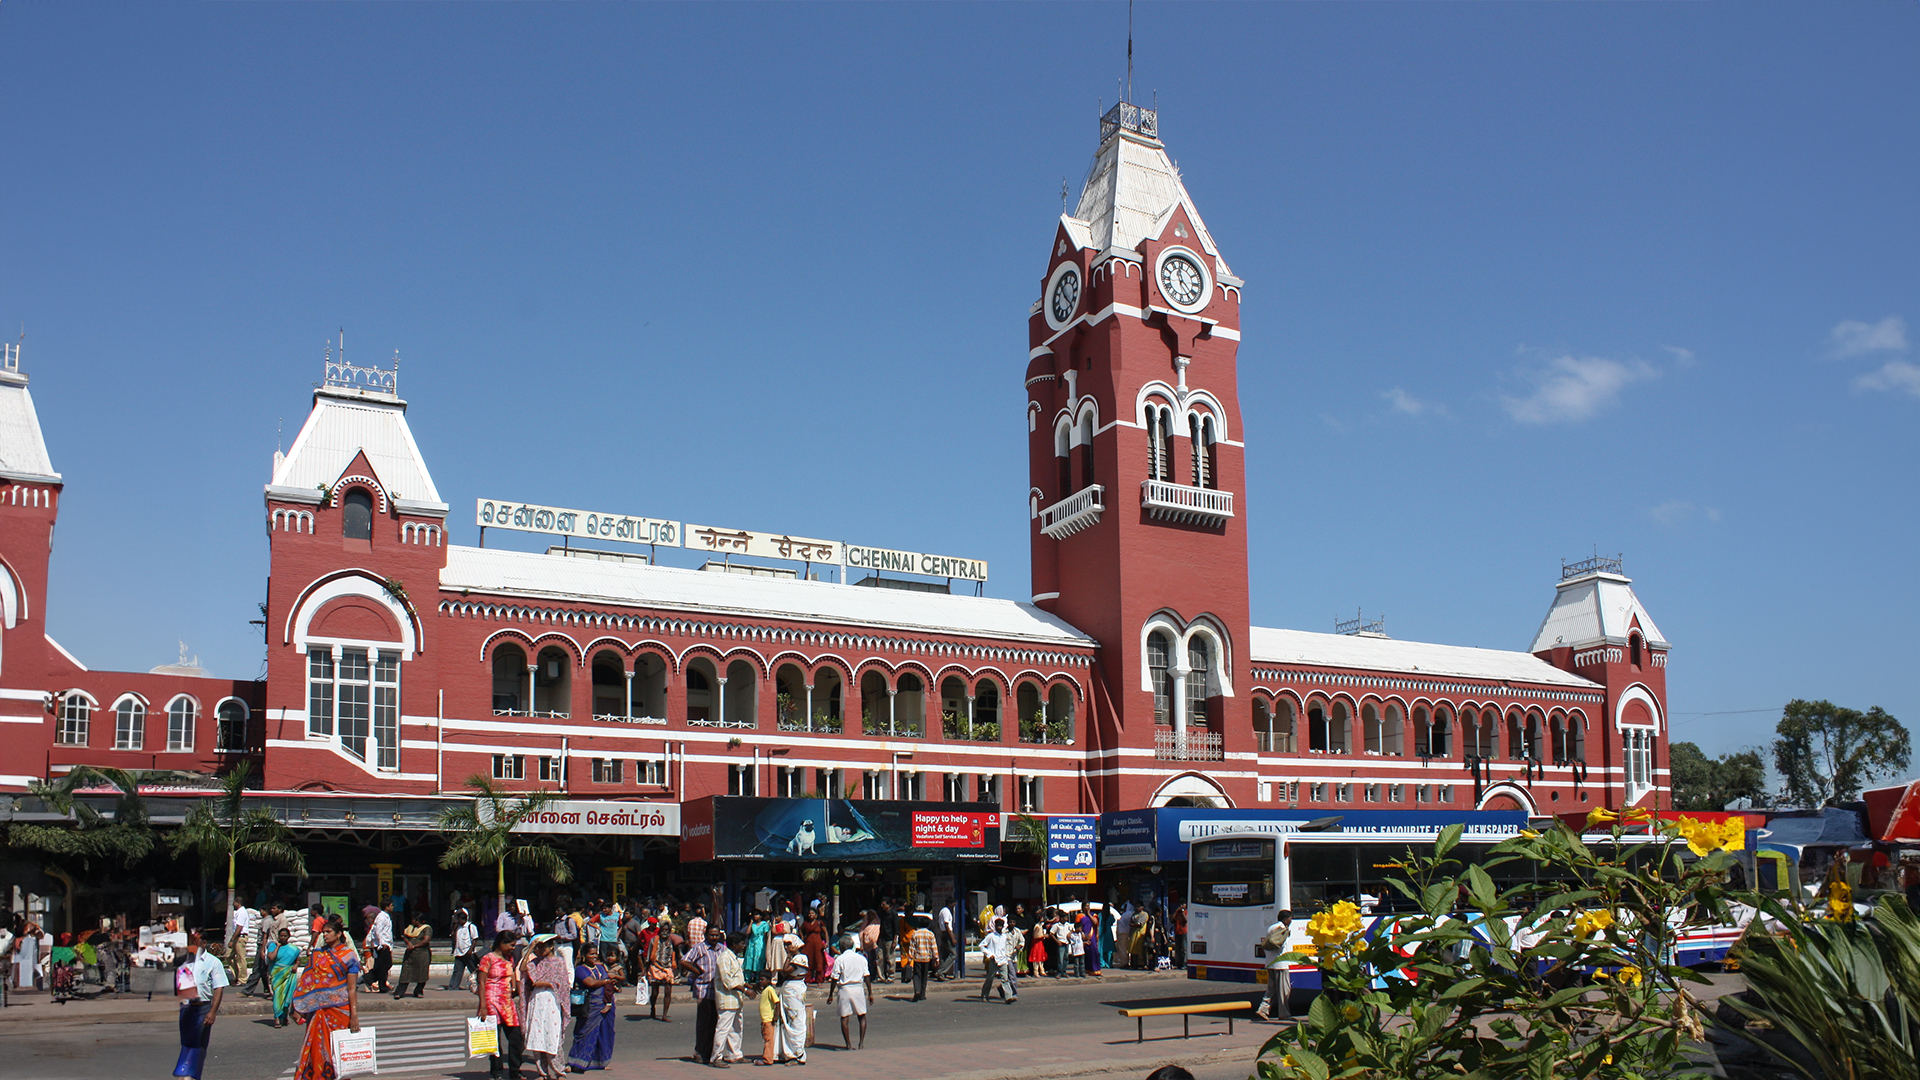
point(537, 714)
point(621, 718)
point(1181, 502)
point(1073, 513)
point(1609, 564)
point(1130, 117)
point(739, 725)
point(1188, 746)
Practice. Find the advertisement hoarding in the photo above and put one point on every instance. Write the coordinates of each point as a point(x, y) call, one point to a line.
point(837, 830)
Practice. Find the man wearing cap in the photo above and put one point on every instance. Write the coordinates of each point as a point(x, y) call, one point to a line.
point(923, 950)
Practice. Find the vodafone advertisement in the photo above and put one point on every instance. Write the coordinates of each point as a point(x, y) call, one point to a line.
point(837, 830)
point(952, 828)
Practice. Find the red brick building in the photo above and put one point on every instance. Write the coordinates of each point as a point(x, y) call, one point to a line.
point(400, 663)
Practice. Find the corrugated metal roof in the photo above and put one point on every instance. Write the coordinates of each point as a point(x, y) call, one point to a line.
point(1594, 608)
point(1130, 190)
point(23, 451)
point(524, 574)
point(341, 426)
point(1271, 646)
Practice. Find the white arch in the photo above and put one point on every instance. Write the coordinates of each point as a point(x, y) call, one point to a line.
point(1637, 692)
point(1088, 408)
point(1161, 620)
point(9, 598)
point(1220, 680)
point(1191, 786)
point(79, 693)
point(1150, 390)
point(1518, 793)
point(361, 583)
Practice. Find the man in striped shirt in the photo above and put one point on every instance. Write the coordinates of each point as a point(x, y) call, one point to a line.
point(923, 949)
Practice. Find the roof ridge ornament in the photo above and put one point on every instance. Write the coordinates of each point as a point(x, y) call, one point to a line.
point(341, 375)
point(1126, 116)
point(1597, 563)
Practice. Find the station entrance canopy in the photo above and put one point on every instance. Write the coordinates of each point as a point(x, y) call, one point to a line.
point(837, 830)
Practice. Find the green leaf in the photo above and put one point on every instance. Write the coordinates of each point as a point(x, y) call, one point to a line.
point(1311, 1063)
point(1449, 837)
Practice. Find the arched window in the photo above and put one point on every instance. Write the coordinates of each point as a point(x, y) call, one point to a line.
point(356, 518)
point(76, 717)
point(1159, 658)
point(1633, 649)
point(230, 736)
point(129, 724)
point(1516, 739)
point(1273, 726)
point(1370, 728)
point(909, 706)
point(742, 695)
point(1198, 438)
point(1317, 726)
point(1063, 456)
point(700, 692)
point(553, 683)
point(1086, 450)
point(1285, 728)
point(510, 696)
point(1638, 744)
point(180, 716)
point(1159, 443)
point(1577, 738)
point(1209, 454)
point(1558, 730)
point(1340, 730)
point(986, 706)
point(1392, 738)
point(1199, 672)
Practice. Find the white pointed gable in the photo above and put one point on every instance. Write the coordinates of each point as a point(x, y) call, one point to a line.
point(1131, 191)
point(23, 450)
point(345, 423)
point(1592, 608)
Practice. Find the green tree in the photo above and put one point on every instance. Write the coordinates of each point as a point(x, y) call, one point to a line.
point(1826, 754)
point(1028, 832)
point(225, 828)
point(125, 838)
point(1704, 783)
point(480, 833)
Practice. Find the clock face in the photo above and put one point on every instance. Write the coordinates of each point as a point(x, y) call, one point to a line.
point(1066, 296)
point(1180, 280)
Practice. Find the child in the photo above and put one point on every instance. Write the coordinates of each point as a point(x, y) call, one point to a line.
point(769, 999)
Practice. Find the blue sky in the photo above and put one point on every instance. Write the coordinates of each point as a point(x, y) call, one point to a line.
point(1524, 281)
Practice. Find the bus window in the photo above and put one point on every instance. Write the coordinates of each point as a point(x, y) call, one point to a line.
point(1233, 873)
point(1322, 874)
point(1379, 862)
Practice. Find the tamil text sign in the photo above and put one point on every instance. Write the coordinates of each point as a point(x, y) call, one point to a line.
point(606, 818)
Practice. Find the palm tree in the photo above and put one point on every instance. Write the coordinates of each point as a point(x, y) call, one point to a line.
point(1027, 832)
point(223, 827)
point(126, 838)
point(480, 833)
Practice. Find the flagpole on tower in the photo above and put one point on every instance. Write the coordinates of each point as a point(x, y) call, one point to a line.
point(1129, 50)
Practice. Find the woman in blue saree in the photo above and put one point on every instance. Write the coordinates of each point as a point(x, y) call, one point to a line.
point(283, 975)
point(593, 1029)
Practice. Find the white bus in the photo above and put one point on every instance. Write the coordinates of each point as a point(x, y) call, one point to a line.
point(1237, 882)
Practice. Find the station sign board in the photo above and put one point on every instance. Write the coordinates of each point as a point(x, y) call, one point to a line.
point(599, 817)
point(1072, 840)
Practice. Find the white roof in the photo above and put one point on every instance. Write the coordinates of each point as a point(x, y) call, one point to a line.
point(1130, 192)
point(342, 424)
point(525, 574)
point(1593, 608)
point(1371, 653)
point(23, 450)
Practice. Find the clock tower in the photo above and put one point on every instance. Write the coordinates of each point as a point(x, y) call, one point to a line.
point(1138, 534)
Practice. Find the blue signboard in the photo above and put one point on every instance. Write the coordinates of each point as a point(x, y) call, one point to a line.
point(1161, 835)
point(1070, 841)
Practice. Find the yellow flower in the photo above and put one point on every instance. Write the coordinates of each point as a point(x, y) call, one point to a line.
point(1840, 901)
point(1589, 923)
point(1350, 1011)
point(1628, 976)
point(1529, 834)
point(1600, 815)
point(1332, 928)
point(1608, 1060)
point(1636, 813)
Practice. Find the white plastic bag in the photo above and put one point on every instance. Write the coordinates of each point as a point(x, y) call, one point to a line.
point(642, 992)
point(483, 1037)
point(353, 1053)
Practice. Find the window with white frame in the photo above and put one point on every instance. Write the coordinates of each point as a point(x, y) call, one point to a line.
point(1031, 797)
point(1372, 793)
point(320, 691)
point(549, 768)
point(230, 729)
point(1443, 794)
point(1396, 793)
point(987, 788)
point(1265, 790)
point(1200, 665)
point(831, 783)
point(873, 784)
point(650, 771)
point(76, 716)
point(1316, 793)
point(1343, 793)
point(1159, 650)
point(181, 713)
point(740, 780)
point(608, 771)
point(356, 696)
point(913, 786)
point(792, 781)
point(509, 767)
point(1638, 743)
point(1293, 791)
point(129, 724)
point(1423, 793)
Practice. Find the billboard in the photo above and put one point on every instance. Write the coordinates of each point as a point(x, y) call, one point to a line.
point(1162, 835)
point(1070, 849)
point(837, 830)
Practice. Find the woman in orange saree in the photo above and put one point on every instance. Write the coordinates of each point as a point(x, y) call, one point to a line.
point(326, 1000)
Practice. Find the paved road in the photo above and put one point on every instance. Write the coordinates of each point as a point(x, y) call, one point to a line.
point(1054, 1030)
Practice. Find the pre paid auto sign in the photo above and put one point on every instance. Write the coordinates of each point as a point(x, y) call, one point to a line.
point(1070, 849)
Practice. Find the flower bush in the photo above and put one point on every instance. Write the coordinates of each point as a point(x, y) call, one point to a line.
point(1566, 974)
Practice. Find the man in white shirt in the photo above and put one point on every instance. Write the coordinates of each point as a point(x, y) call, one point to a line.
point(466, 945)
point(200, 982)
point(943, 926)
point(239, 925)
point(850, 975)
point(996, 955)
point(1062, 933)
point(379, 944)
point(1279, 975)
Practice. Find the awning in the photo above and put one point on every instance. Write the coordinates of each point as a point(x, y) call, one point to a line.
point(1893, 813)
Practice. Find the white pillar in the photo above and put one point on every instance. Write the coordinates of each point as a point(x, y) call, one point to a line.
point(892, 695)
point(969, 716)
point(720, 711)
point(629, 693)
point(533, 685)
point(809, 706)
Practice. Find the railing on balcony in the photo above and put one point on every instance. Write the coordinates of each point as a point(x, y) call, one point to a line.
point(740, 725)
point(1170, 745)
point(1191, 505)
point(1073, 513)
point(621, 718)
point(536, 714)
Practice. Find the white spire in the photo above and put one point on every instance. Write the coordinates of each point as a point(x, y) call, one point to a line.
point(1133, 188)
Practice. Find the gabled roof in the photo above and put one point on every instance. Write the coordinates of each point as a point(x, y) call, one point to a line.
point(346, 423)
point(1130, 192)
point(523, 574)
point(23, 450)
point(1372, 653)
point(1592, 608)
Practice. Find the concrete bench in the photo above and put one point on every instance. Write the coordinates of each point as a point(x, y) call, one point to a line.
point(1185, 1013)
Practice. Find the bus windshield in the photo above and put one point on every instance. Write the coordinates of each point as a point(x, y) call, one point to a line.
point(1233, 873)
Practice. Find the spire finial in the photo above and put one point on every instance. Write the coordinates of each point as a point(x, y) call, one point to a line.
point(1063, 194)
point(1129, 96)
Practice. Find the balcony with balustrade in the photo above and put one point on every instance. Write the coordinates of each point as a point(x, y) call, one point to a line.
point(1077, 511)
point(1185, 504)
point(1189, 745)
